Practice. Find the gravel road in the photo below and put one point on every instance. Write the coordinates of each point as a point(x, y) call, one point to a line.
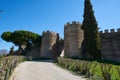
point(42, 70)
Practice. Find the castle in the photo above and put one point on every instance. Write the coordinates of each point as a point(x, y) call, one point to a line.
point(52, 46)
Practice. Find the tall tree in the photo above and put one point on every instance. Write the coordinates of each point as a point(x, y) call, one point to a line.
point(22, 38)
point(91, 35)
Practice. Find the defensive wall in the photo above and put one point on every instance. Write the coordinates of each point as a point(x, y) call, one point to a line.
point(71, 46)
point(110, 44)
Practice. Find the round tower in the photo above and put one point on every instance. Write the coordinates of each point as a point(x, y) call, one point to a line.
point(48, 40)
point(73, 38)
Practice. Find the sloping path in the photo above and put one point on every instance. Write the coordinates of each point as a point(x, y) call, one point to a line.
point(42, 70)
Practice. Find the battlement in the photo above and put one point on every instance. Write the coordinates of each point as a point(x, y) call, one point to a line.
point(49, 33)
point(72, 23)
point(73, 26)
point(110, 31)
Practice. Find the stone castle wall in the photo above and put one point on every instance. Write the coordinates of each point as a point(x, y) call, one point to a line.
point(110, 44)
point(73, 37)
point(34, 52)
point(48, 41)
point(52, 47)
point(57, 48)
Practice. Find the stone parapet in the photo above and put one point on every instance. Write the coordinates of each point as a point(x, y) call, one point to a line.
point(74, 26)
point(111, 31)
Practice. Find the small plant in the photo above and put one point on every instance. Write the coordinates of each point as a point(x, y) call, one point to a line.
point(118, 71)
point(106, 69)
point(86, 68)
point(93, 70)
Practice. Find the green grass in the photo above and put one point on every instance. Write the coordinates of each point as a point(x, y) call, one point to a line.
point(91, 69)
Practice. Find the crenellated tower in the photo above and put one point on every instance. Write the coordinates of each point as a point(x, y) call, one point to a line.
point(73, 38)
point(48, 40)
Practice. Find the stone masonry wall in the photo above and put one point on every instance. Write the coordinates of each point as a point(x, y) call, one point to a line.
point(110, 44)
point(34, 52)
point(73, 37)
point(52, 47)
point(48, 40)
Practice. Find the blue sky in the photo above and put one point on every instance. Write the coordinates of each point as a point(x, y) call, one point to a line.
point(40, 15)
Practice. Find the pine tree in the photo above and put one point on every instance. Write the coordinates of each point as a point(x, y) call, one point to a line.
point(91, 36)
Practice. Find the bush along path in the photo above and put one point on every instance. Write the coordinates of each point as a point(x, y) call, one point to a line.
point(7, 65)
point(91, 69)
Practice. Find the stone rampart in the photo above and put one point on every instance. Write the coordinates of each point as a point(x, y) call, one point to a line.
point(110, 44)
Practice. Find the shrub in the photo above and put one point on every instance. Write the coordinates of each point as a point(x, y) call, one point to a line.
point(7, 65)
point(91, 69)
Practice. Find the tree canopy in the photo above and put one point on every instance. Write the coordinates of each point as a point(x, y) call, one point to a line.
point(21, 37)
point(91, 35)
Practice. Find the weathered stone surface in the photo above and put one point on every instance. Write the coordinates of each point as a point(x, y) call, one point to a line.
point(73, 37)
point(48, 41)
point(33, 52)
point(52, 46)
point(110, 45)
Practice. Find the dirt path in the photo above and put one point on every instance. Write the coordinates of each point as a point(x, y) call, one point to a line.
point(38, 70)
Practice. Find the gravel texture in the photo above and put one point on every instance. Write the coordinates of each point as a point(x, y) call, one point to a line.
point(42, 70)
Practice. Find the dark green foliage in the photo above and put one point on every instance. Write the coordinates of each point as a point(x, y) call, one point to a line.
point(6, 36)
point(22, 38)
point(91, 35)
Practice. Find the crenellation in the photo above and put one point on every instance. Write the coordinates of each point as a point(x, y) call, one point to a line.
point(72, 27)
point(45, 33)
point(74, 22)
point(78, 23)
point(118, 30)
point(112, 30)
point(106, 31)
point(68, 23)
point(101, 32)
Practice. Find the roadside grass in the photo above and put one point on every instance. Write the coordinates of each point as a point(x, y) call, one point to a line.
point(7, 65)
point(94, 70)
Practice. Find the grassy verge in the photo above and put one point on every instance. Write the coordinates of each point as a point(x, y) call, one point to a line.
point(7, 65)
point(91, 69)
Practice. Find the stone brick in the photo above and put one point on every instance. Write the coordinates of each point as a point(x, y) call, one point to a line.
point(73, 37)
